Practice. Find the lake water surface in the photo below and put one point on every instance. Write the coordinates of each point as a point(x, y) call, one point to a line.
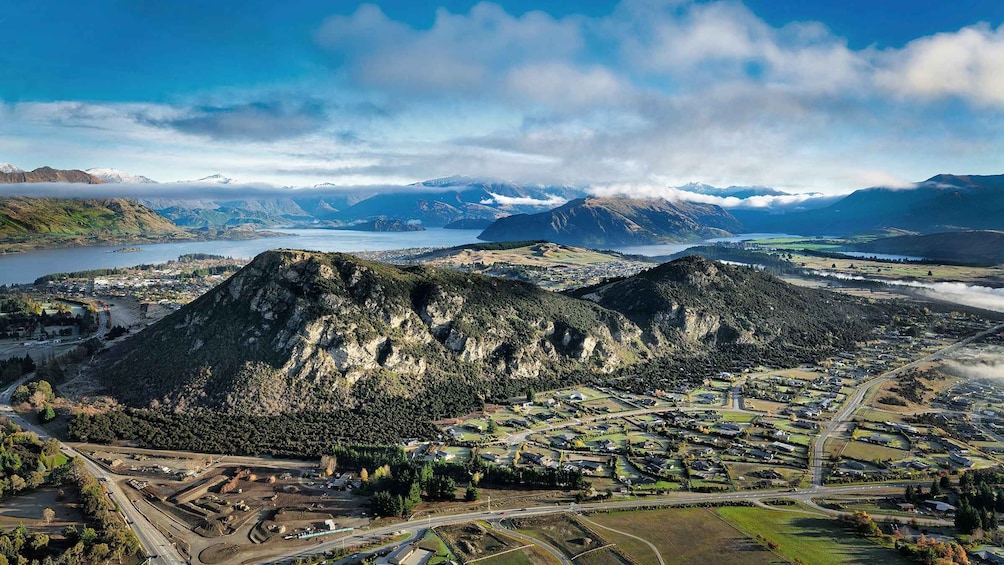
point(18, 268)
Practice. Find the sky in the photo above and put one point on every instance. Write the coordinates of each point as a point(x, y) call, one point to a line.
point(801, 96)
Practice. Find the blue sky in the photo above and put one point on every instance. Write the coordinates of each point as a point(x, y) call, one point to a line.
point(827, 96)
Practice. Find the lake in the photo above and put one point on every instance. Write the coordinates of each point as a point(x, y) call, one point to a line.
point(662, 249)
point(19, 268)
point(880, 256)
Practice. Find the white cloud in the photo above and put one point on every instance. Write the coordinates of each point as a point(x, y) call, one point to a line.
point(503, 200)
point(653, 191)
point(724, 41)
point(968, 64)
point(460, 51)
point(656, 92)
point(561, 85)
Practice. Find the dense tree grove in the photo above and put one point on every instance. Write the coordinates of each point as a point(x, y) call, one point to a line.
point(981, 497)
point(305, 434)
point(15, 367)
point(398, 488)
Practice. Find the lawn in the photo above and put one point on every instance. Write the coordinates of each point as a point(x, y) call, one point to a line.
point(682, 535)
point(433, 542)
point(863, 451)
point(812, 539)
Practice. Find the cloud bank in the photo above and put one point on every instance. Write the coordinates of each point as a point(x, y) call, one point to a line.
point(650, 93)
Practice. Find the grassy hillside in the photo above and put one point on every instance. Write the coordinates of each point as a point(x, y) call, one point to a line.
point(23, 219)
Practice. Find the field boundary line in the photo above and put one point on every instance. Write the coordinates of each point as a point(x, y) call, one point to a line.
point(520, 548)
point(574, 557)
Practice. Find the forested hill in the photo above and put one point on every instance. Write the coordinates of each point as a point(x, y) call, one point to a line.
point(298, 331)
point(23, 217)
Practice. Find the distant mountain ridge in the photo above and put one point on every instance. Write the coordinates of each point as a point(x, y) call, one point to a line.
point(47, 174)
point(116, 176)
point(941, 203)
point(433, 203)
point(594, 221)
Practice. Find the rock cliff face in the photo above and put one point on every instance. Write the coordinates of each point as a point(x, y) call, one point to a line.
point(299, 330)
point(48, 174)
point(616, 221)
point(296, 331)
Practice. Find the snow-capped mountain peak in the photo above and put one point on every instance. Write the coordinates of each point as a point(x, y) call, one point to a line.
point(8, 168)
point(111, 175)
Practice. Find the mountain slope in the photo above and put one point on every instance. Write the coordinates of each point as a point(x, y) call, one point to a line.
point(302, 331)
point(978, 247)
point(110, 175)
point(22, 217)
point(298, 330)
point(439, 202)
point(48, 174)
point(941, 203)
point(616, 221)
point(694, 300)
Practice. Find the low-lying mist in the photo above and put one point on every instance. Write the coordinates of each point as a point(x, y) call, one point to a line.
point(976, 296)
point(987, 366)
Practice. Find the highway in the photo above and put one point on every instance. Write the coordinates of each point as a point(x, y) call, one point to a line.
point(155, 544)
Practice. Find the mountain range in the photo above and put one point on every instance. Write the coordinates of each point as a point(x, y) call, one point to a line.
point(941, 203)
point(564, 214)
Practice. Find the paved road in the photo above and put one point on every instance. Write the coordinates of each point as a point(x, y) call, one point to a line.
point(802, 495)
point(854, 401)
point(154, 543)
